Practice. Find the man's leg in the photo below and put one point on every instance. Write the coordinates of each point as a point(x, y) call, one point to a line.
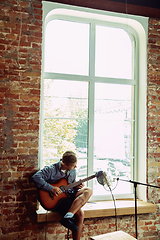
point(79, 217)
point(81, 198)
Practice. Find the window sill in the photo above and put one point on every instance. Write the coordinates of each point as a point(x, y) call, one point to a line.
point(102, 209)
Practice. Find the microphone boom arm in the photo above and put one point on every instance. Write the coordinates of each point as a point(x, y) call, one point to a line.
point(135, 194)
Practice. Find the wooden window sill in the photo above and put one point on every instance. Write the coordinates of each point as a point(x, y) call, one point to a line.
point(102, 209)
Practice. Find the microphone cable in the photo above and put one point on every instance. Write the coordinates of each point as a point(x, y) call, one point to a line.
point(103, 180)
point(114, 204)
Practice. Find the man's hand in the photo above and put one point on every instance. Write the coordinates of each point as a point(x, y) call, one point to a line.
point(56, 191)
point(80, 186)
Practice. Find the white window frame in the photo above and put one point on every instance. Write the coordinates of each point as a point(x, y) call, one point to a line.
point(139, 28)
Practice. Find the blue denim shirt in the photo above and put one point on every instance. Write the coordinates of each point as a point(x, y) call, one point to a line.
point(50, 174)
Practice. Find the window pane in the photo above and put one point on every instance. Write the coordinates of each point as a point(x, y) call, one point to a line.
point(65, 123)
point(113, 53)
point(67, 47)
point(113, 130)
point(81, 171)
point(65, 99)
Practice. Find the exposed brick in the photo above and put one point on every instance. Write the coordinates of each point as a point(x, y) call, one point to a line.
point(20, 94)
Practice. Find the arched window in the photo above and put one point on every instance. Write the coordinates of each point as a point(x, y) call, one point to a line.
point(91, 93)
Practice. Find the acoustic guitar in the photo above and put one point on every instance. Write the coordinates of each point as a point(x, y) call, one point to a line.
point(49, 201)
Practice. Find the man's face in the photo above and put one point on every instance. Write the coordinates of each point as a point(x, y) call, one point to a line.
point(72, 166)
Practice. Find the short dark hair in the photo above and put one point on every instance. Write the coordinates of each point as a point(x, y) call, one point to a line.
point(69, 157)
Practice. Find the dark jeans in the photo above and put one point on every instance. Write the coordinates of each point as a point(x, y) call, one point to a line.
point(64, 204)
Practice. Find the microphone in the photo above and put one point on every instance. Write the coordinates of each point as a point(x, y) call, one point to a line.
point(102, 178)
point(106, 179)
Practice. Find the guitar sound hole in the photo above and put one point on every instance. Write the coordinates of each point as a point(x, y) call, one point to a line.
point(51, 195)
point(62, 188)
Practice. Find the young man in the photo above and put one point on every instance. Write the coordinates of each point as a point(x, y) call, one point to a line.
point(69, 208)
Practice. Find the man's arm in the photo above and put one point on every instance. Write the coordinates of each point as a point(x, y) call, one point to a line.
point(41, 177)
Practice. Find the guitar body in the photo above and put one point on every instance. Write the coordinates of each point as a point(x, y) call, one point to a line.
point(48, 200)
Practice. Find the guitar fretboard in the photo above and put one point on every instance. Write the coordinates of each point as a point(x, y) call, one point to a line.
point(71, 185)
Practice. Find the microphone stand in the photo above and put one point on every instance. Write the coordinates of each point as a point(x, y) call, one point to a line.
point(135, 194)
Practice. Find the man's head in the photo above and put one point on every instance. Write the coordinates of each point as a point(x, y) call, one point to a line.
point(69, 159)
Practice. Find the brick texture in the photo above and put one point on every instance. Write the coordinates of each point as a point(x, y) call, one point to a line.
point(153, 123)
point(19, 130)
point(20, 78)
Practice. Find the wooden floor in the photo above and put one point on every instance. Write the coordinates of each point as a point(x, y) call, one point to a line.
point(119, 235)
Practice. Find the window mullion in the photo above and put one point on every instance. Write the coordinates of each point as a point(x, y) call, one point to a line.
point(92, 51)
point(91, 131)
point(91, 103)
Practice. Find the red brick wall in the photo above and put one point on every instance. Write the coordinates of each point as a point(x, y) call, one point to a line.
point(153, 85)
point(19, 129)
point(19, 109)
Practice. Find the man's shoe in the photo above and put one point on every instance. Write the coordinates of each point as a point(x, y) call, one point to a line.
point(69, 223)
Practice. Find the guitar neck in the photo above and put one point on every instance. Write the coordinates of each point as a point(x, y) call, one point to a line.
point(71, 185)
